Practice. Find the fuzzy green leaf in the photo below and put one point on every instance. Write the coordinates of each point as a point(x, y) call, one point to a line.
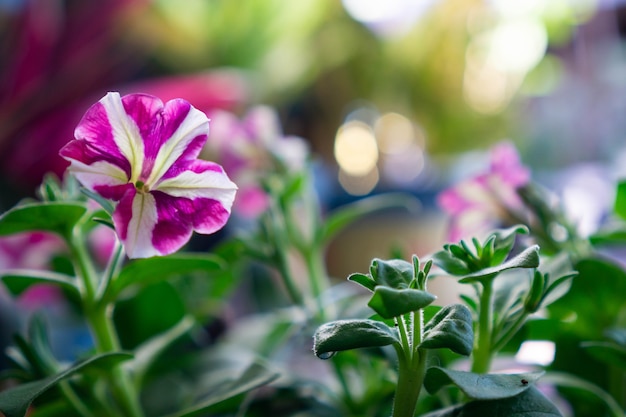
point(530, 403)
point(351, 334)
point(504, 241)
point(450, 328)
point(449, 263)
point(529, 258)
point(390, 302)
point(364, 280)
point(480, 386)
point(394, 273)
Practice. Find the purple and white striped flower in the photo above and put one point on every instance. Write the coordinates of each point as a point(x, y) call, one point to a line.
point(143, 154)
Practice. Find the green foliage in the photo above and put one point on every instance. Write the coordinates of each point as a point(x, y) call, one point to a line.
point(351, 334)
point(450, 328)
point(14, 402)
point(18, 281)
point(480, 386)
point(254, 376)
point(391, 302)
point(348, 214)
point(530, 403)
point(56, 217)
point(143, 272)
point(619, 206)
point(485, 261)
point(611, 351)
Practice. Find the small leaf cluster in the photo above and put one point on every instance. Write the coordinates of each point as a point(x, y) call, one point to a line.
point(485, 260)
point(398, 289)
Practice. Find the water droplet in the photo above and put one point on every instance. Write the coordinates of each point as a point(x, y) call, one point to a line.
point(326, 355)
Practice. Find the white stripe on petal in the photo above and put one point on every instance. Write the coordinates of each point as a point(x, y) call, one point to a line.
point(208, 184)
point(195, 123)
point(125, 132)
point(98, 173)
point(138, 242)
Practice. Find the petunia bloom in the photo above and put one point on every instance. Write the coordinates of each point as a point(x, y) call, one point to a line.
point(479, 204)
point(251, 148)
point(143, 154)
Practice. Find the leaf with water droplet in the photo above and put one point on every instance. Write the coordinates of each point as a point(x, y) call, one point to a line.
point(326, 355)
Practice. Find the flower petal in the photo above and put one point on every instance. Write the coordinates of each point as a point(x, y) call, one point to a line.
point(181, 136)
point(202, 179)
point(107, 179)
point(135, 218)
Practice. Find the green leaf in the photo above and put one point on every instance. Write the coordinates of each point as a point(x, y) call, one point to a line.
point(562, 379)
point(504, 241)
point(147, 352)
point(607, 352)
point(14, 402)
point(394, 273)
point(351, 334)
point(596, 296)
point(529, 258)
point(162, 268)
point(18, 280)
point(344, 216)
point(55, 217)
point(364, 280)
point(530, 403)
point(480, 386)
point(449, 263)
point(390, 302)
point(253, 377)
point(620, 200)
point(609, 237)
point(450, 328)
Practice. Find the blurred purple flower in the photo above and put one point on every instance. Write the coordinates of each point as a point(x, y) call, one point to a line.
point(250, 149)
point(32, 250)
point(488, 200)
point(142, 153)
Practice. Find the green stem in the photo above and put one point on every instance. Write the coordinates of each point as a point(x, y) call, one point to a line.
point(482, 352)
point(101, 323)
point(281, 248)
point(282, 264)
point(348, 398)
point(318, 278)
point(410, 379)
point(509, 332)
point(75, 400)
point(411, 366)
point(99, 318)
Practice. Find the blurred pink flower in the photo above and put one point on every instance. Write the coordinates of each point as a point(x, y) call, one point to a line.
point(479, 204)
point(32, 250)
point(251, 148)
point(102, 243)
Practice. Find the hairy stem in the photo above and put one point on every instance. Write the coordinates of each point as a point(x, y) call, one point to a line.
point(482, 351)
